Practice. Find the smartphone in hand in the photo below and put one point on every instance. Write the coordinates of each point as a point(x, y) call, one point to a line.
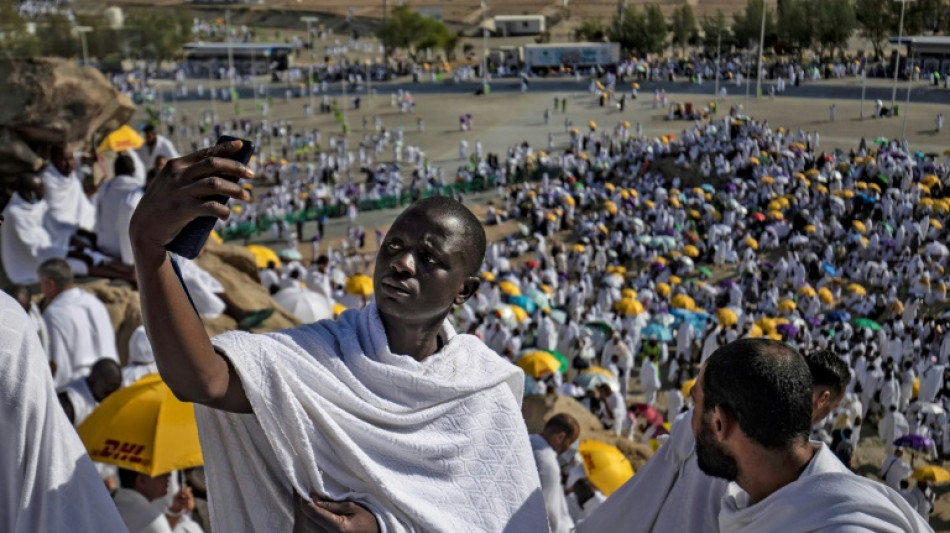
point(193, 236)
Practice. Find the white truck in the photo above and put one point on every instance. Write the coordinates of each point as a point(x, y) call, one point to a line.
point(540, 57)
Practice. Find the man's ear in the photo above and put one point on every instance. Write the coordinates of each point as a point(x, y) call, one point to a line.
point(723, 424)
point(468, 289)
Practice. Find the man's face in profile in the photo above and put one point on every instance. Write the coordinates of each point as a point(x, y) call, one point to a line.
point(713, 458)
point(422, 265)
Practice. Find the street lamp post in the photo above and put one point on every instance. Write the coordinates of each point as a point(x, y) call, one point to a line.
point(897, 60)
point(484, 48)
point(758, 74)
point(309, 20)
point(718, 62)
point(82, 31)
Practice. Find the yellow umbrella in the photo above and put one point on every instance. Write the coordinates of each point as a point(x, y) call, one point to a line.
point(551, 216)
point(488, 276)
point(675, 202)
point(936, 223)
point(537, 364)
point(687, 387)
point(579, 248)
point(695, 214)
point(854, 288)
point(824, 294)
point(509, 288)
point(624, 194)
point(755, 331)
point(610, 187)
point(812, 172)
point(675, 280)
point(144, 428)
point(691, 251)
point(874, 187)
point(777, 215)
point(861, 185)
point(787, 306)
point(931, 473)
point(611, 207)
point(727, 317)
point(569, 200)
point(338, 309)
point(858, 225)
point(807, 291)
point(124, 138)
point(683, 301)
point(605, 465)
point(754, 160)
point(547, 289)
point(629, 307)
point(751, 243)
point(215, 237)
point(822, 189)
point(598, 370)
point(520, 314)
point(628, 293)
point(768, 180)
point(649, 204)
point(360, 284)
point(263, 255)
point(810, 228)
point(663, 289)
point(930, 180)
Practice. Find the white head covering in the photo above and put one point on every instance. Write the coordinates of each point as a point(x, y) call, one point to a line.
point(140, 349)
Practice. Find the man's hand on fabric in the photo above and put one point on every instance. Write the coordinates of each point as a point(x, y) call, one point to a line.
point(332, 517)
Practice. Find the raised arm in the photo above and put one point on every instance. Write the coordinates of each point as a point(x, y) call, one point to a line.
point(187, 361)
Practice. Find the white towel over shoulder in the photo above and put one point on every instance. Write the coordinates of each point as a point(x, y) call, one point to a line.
point(437, 445)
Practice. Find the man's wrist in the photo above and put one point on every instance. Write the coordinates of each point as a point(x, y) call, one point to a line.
point(148, 255)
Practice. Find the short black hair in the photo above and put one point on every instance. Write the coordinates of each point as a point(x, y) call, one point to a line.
point(562, 423)
point(127, 478)
point(474, 232)
point(765, 385)
point(56, 270)
point(148, 127)
point(17, 291)
point(828, 370)
point(124, 165)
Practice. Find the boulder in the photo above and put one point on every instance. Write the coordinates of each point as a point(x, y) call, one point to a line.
point(538, 409)
point(48, 101)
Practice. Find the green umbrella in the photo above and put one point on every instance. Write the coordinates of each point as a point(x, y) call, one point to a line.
point(881, 141)
point(705, 270)
point(560, 357)
point(884, 179)
point(866, 323)
point(602, 326)
point(888, 226)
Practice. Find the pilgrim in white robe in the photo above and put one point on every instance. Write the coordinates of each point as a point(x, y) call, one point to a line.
point(163, 147)
point(826, 497)
point(80, 396)
point(28, 237)
point(202, 287)
point(117, 200)
point(555, 503)
point(141, 358)
point(80, 333)
point(650, 381)
point(669, 493)
point(69, 206)
point(425, 445)
point(50, 484)
point(139, 514)
point(894, 470)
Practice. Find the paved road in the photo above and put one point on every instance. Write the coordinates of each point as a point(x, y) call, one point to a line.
point(919, 93)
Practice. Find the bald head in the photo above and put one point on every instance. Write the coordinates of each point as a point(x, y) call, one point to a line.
point(474, 233)
point(765, 385)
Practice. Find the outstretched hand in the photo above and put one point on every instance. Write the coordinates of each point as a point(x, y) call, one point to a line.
point(322, 516)
point(181, 193)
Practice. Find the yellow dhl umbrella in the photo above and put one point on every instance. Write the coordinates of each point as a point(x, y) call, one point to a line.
point(124, 138)
point(822, 189)
point(812, 172)
point(263, 255)
point(755, 331)
point(767, 324)
point(774, 205)
point(861, 185)
point(649, 204)
point(931, 473)
point(687, 387)
point(916, 389)
point(691, 251)
point(674, 254)
point(144, 428)
point(663, 289)
point(776, 215)
point(629, 307)
point(215, 237)
point(775, 336)
point(579, 248)
point(624, 194)
point(799, 176)
point(854, 288)
point(605, 465)
point(698, 191)
point(675, 202)
point(520, 314)
point(683, 301)
point(926, 202)
point(569, 201)
point(810, 228)
point(807, 291)
point(675, 280)
point(751, 243)
point(610, 187)
point(338, 309)
point(551, 217)
point(598, 370)
point(488, 276)
point(858, 225)
point(768, 180)
point(754, 160)
point(547, 289)
point(611, 208)
point(936, 223)
point(634, 193)
point(592, 125)
point(509, 288)
point(930, 180)
point(695, 214)
point(787, 306)
point(537, 364)
point(874, 187)
point(727, 317)
point(360, 284)
point(628, 293)
point(824, 294)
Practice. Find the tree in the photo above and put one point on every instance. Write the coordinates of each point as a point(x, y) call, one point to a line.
point(14, 38)
point(835, 23)
point(58, 38)
point(796, 29)
point(156, 36)
point(407, 29)
point(593, 30)
point(683, 26)
point(640, 32)
point(655, 30)
point(716, 33)
point(876, 19)
point(747, 25)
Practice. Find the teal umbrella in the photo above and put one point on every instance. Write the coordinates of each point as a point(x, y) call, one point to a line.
point(706, 271)
point(866, 323)
point(560, 357)
point(888, 226)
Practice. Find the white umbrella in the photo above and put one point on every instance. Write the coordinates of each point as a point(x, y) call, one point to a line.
point(613, 280)
point(306, 305)
point(937, 248)
point(928, 408)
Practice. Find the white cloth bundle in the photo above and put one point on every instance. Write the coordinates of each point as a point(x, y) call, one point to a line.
point(436, 445)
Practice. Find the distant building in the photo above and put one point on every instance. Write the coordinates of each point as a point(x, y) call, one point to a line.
point(207, 59)
point(931, 53)
point(508, 25)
